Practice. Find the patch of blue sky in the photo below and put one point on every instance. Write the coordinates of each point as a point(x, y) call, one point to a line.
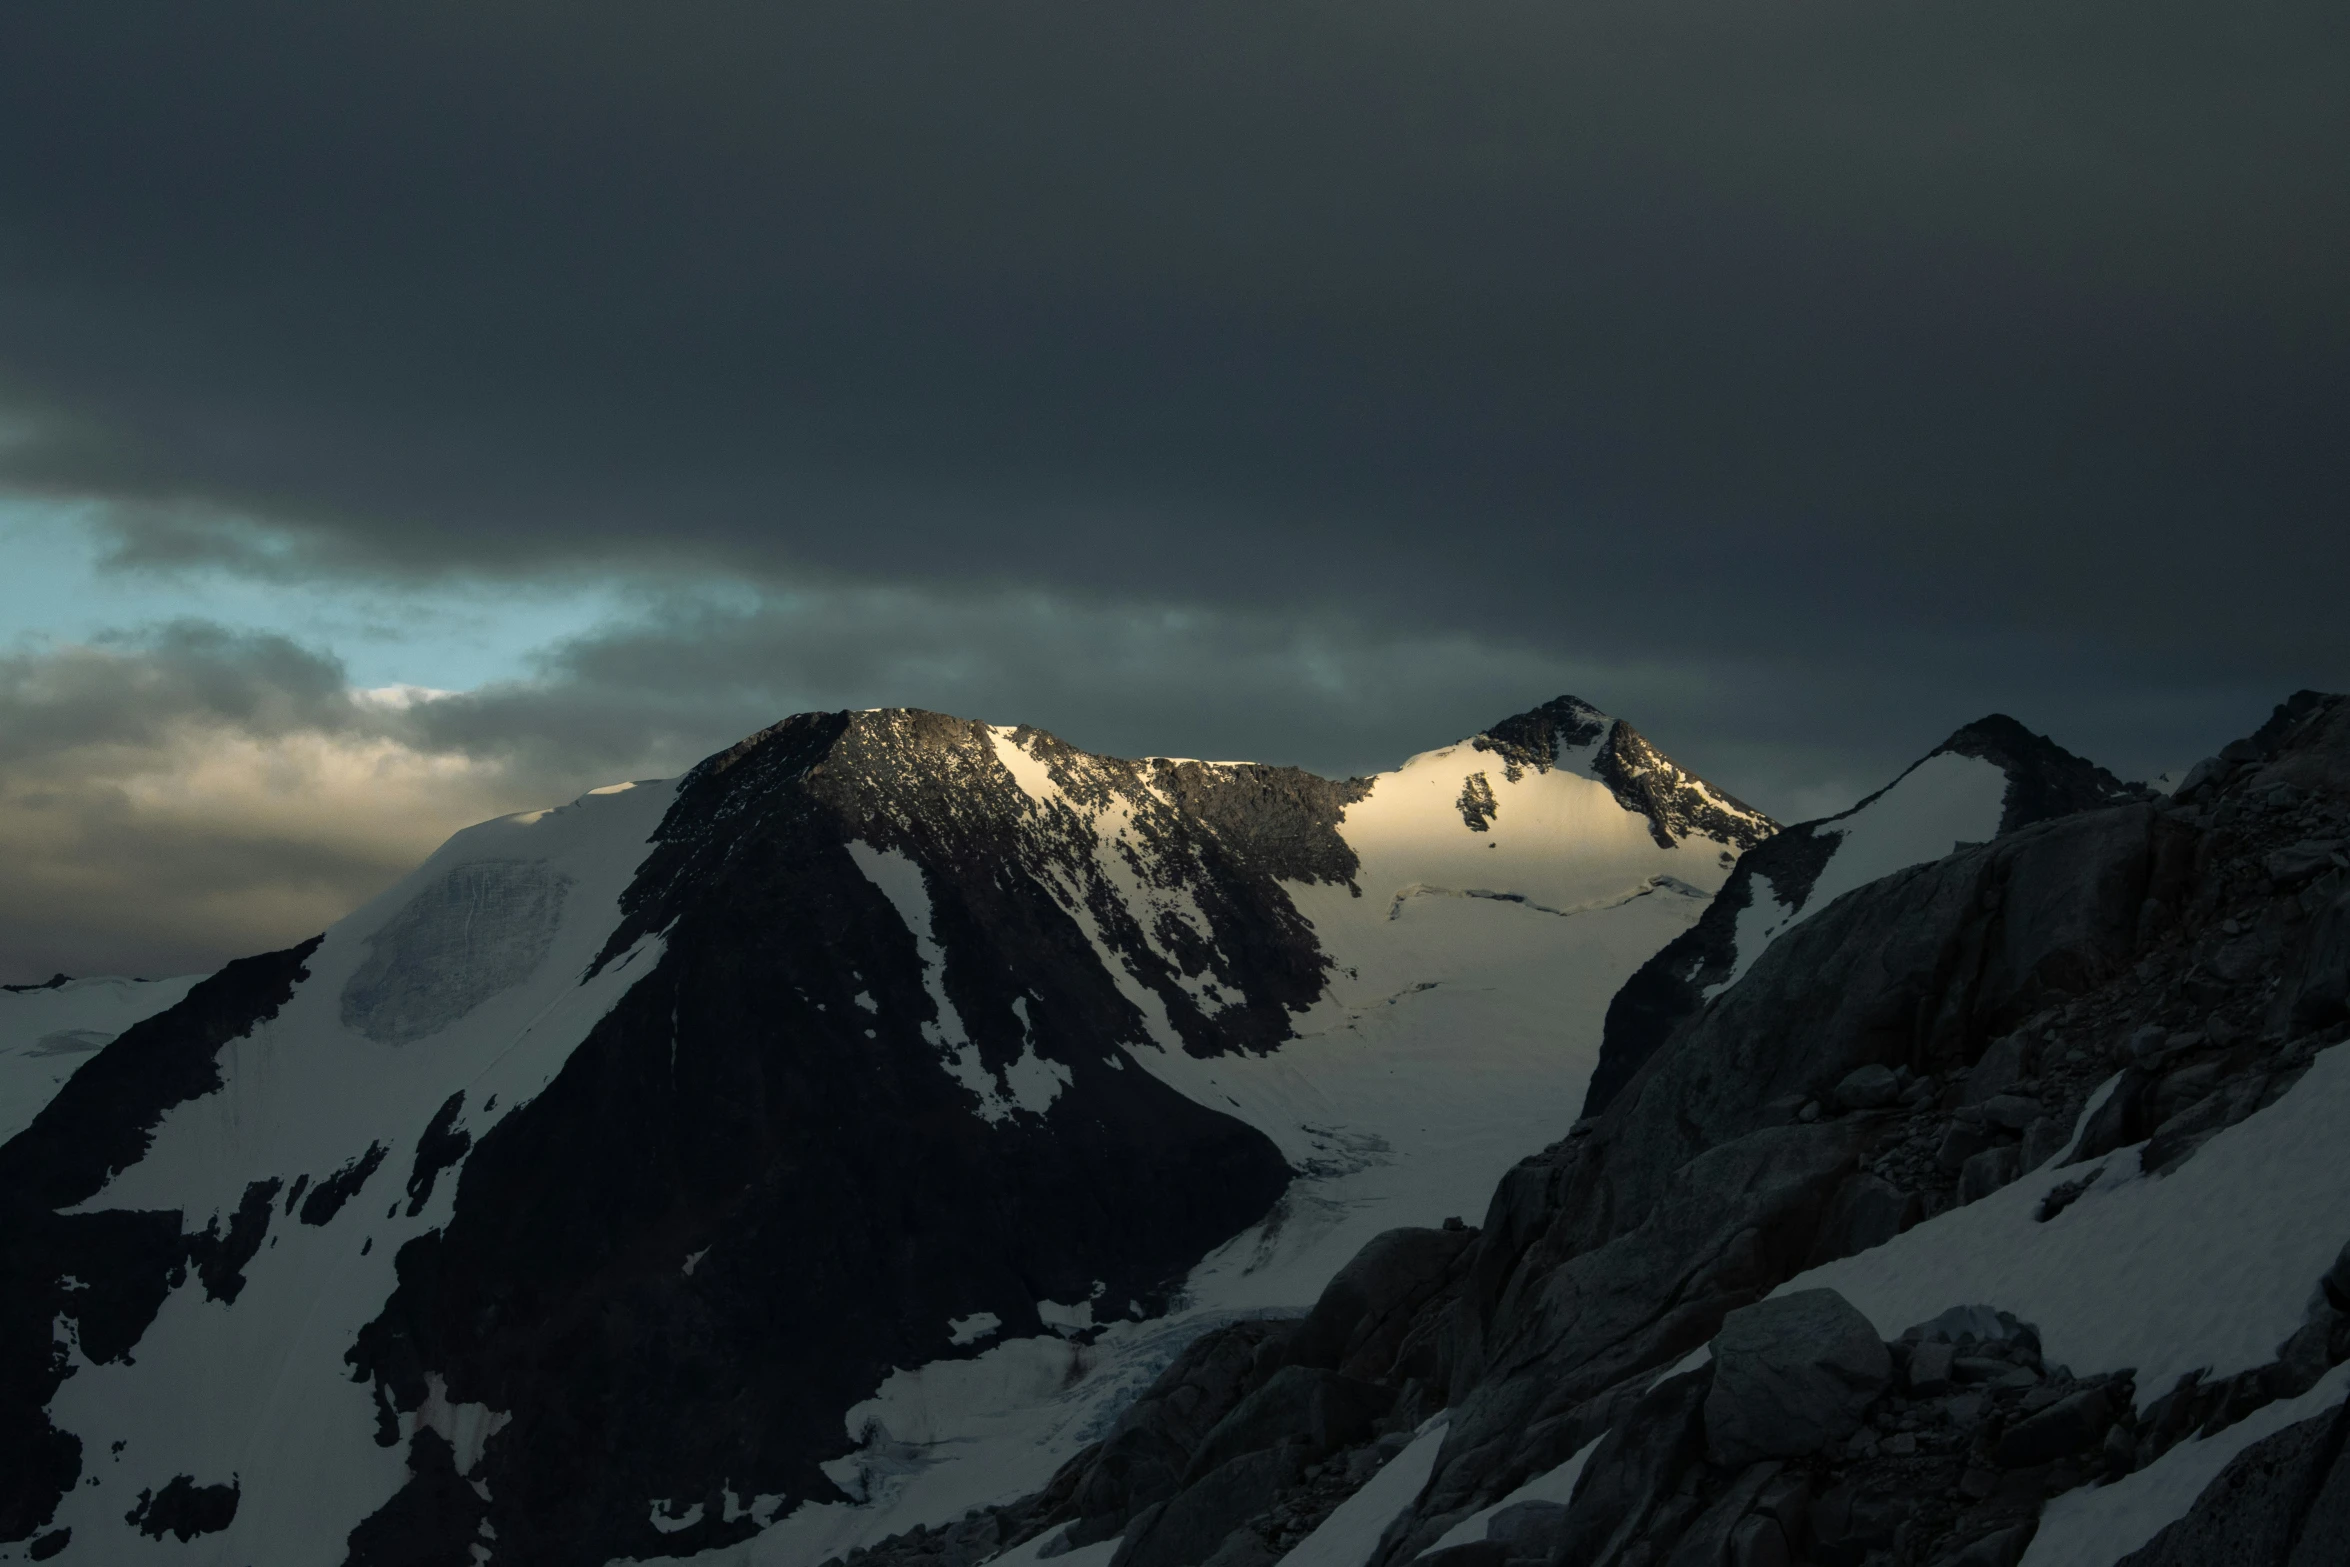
point(59, 587)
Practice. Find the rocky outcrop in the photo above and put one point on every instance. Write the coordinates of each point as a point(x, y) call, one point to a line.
point(2043, 782)
point(1568, 731)
point(1907, 1050)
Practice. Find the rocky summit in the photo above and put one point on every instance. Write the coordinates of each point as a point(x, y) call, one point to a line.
point(908, 1142)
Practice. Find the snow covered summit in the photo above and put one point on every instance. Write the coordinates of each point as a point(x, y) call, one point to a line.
point(826, 1140)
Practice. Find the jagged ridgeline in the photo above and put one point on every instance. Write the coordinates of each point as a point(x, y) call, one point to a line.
point(1992, 1212)
point(828, 1141)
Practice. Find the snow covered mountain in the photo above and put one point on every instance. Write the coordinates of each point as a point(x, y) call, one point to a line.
point(1994, 1216)
point(827, 1141)
point(46, 1031)
point(1992, 777)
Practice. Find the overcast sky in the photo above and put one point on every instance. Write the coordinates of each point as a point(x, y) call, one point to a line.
point(1312, 382)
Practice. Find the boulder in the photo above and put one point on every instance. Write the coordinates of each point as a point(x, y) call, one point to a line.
point(1791, 1375)
point(2000, 1067)
point(1143, 1458)
point(2066, 1426)
point(1637, 1467)
point(1867, 1211)
point(1929, 1369)
point(1868, 1088)
point(1317, 1411)
point(1189, 1527)
point(1987, 1171)
point(2289, 868)
point(1758, 1542)
point(2011, 1112)
point(2044, 1139)
point(1530, 1530)
point(1394, 1272)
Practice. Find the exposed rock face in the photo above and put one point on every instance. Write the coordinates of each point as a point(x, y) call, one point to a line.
point(1570, 732)
point(1791, 1375)
point(1997, 987)
point(2283, 1502)
point(2042, 781)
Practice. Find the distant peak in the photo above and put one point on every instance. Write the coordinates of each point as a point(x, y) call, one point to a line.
point(2044, 780)
point(1677, 804)
point(1535, 737)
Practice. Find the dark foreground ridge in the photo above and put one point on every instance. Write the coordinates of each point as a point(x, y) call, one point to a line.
point(1912, 1048)
point(2044, 782)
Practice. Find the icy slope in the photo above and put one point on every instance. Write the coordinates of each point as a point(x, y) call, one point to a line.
point(808, 1146)
point(46, 1031)
point(1993, 776)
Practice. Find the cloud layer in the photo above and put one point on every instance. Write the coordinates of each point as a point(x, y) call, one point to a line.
point(1311, 381)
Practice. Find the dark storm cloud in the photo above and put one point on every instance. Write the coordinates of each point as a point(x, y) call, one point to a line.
point(1784, 321)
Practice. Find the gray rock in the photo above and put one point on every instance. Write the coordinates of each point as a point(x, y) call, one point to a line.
point(1961, 1143)
point(2183, 1087)
point(2044, 1139)
point(2000, 1548)
point(2147, 1046)
point(1531, 1530)
point(2289, 867)
point(1375, 1291)
point(2337, 1280)
point(2001, 1066)
point(1707, 1540)
point(2306, 1356)
point(1243, 1548)
point(2315, 990)
point(1867, 1212)
point(1990, 1371)
point(1758, 1542)
point(2282, 1502)
point(1318, 1411)
point(1636, 1467)
point(1474, 1553)
point(2067, 1426)
point(1929, 1369)
point(1143, 1458)
point(1191, 1526)
point(1983, 1324)
point(1791, 1375)
point(1988, 1171)
point(1868, 1088)
point(2011, 1112)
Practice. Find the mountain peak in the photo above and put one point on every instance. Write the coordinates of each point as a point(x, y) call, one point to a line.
point(2044, 780)
point(1536, 737)
point(1645, 781)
